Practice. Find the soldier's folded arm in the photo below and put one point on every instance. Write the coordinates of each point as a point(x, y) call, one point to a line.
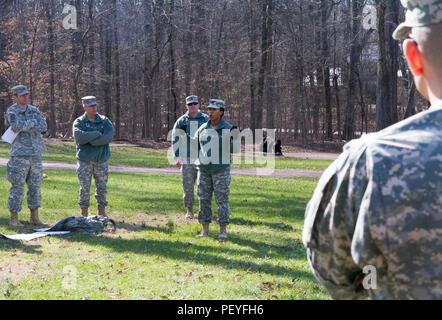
point(106, 137)
point(83, 137)
point(20, 125)
point(41, 126)
point(330, 222)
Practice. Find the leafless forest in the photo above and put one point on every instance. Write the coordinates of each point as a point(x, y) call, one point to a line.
point(311, 69)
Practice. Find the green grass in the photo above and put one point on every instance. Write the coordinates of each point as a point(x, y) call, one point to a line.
point(155, 253)
point(151, 158)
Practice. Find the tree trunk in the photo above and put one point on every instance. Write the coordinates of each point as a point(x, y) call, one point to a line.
point(4, 87)
point(92, 79)
point(147, 81)
point(264, 61)
point(270, 78)
point(386, 101)
point(50, 11)
point(349, 126)
point(173, 99)
point(31, 63)
point(117, 74)
point(77, 44)
point(302, 118)
point(326, 70)
point(188, 52)
point(411, 110)
point(107, 79)
point(252, 59)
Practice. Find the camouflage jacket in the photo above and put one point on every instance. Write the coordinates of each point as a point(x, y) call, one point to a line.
point(30, 125)
point(189, 126)
point(380, 205)
point(93, 137)
point(214, 155)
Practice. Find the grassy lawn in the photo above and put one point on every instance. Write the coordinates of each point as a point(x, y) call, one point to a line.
point(155, 253)
point(150, 158)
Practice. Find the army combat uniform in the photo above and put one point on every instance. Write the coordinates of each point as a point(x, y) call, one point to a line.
point(214, 174)
point(93, 152)
point(25, 164)
point(183, 147)
point(374, 224)
point(380, 204)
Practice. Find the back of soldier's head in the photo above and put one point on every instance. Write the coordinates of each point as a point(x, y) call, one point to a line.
point(423, 23)
point(429, 40)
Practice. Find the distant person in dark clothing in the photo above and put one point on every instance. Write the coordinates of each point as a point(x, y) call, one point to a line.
point(278, 148)
point(264, 145)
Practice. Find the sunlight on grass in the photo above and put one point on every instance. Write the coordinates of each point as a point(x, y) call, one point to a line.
point(155, 253)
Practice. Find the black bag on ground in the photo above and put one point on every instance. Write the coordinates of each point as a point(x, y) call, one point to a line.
point(89, 225)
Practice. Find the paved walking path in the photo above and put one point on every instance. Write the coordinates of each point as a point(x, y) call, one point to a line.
point(288, 173)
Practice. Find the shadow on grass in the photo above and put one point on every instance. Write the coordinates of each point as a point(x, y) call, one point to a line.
point(143, 227)
point(202, 254)
point(273, 225)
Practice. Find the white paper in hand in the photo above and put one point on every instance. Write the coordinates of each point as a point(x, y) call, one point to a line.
point(9, 136)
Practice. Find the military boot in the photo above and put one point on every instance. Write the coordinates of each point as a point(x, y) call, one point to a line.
point(34, 218)
point(189, 213)
point(102, 211)
point(222, 232)
point(14, 220)
point(205, 232)
point(85, 212)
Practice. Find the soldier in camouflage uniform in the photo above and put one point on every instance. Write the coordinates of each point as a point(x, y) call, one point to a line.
point(377, 211)
point(25, 164)
point(214, 168)
point(93, 133)
point(184, 128)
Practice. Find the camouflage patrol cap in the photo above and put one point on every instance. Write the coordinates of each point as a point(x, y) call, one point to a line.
point(217, 104)
point(192, 99)
point(420, 13)
point(89, 101)
point(19, 90)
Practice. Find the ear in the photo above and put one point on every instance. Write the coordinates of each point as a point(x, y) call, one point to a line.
point(414, 57)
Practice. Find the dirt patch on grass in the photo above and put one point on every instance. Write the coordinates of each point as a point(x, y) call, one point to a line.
point(145, 222)
point(17, 269)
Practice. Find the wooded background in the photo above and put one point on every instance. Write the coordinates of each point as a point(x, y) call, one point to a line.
point(308, 68)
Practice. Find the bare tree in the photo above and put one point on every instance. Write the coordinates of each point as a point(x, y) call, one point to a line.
point(5, 6)
point(286, 64)
point(117, 79)
point(386, 105)
point(50, 13)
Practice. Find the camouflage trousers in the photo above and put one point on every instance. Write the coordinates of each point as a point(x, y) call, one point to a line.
point(219, 184)
point(21, 170)
point(85, 171)
point(189, 174)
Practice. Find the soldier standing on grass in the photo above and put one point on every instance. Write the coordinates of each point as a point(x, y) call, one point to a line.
point(192, 120)
point(376, 214)
point(25, 164)
point(214, 168)
point(93, 133)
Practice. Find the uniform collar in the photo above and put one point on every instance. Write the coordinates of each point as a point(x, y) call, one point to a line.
point(19, 109)
point(221, 125)
point(198, 115)
point(98, 118)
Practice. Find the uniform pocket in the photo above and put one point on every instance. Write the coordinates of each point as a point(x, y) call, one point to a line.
point(16, 170)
